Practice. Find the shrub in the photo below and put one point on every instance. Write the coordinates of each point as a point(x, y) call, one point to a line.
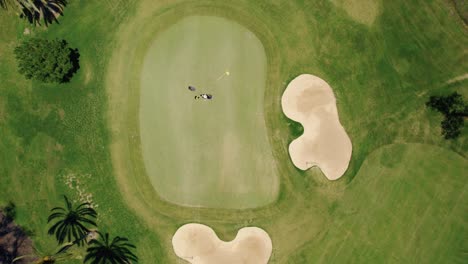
point(454, 109)
point(47, 60)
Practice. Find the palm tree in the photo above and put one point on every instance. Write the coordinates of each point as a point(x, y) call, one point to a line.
point(72, 222)
point(36, 10)
point(47, 10)
point(5, 4)
point(104, 251)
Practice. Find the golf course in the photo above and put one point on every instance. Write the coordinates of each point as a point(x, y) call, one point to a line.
point(248, 131)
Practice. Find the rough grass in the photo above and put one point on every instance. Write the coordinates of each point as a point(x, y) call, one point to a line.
point(394, 213)
point(381, 76)
point(49, 132)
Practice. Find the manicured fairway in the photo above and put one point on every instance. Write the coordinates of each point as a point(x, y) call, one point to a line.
point(211, 153)
point(406, 205)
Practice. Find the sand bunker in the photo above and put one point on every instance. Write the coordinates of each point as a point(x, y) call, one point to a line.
point(199, 244)
point(309, 100)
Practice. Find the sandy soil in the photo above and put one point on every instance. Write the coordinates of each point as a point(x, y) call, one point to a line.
point(199, 244)
point(458, 78)
point(362, 11)
point(310, 101)
point(14, 242)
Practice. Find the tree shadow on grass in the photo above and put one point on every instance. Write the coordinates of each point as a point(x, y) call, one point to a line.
point(14, 240)
point(75, 61)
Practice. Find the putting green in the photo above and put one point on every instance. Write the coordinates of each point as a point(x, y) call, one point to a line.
point(209, 153)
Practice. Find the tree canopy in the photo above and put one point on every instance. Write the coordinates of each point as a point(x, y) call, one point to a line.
point(47, 60)
point(454, 108)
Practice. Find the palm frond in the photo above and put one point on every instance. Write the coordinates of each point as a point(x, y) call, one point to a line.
point(88, 211)
point(58, 208)
point(67, 203)
point(6, 4)
point(55, 215)
point(54, 227)
point(36, 11)
point(86, 220)
point(83, 205)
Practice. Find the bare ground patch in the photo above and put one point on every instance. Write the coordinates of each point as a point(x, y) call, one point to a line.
point(363, 11)
point(14, 241)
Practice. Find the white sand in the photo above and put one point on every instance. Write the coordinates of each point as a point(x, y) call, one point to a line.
point(310, 101)
point(199, 244)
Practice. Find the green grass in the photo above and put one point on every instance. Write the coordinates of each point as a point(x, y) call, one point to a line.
point(39, 147)
point(206, 153)
point(381, 74)
point(394, 213)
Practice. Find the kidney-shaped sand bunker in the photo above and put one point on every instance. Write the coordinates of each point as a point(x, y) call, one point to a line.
point(310, 101)
point(199, 244)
